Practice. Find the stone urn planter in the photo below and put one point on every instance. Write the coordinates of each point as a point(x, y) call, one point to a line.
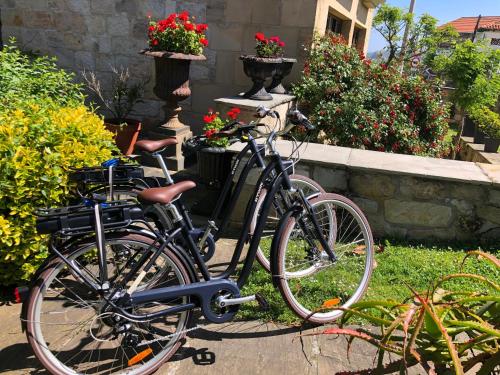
point(126, 133)
point(478, 135)
point(469, 127)
point(259, 69)
point(491, 144)
point(214, 165)
point(172, 86)
point(283, 70)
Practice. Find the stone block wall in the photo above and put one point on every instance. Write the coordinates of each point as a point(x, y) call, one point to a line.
point(408, 196)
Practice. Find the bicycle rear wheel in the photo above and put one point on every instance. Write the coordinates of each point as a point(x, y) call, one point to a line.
point(313, 286)
point(71, 332)
point(308, 187)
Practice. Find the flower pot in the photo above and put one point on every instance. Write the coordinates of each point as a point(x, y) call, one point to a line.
point(469, 127)
point(259, 69)
point(491, 144)
point(172, 81)
point(214, 165)
point(126, 133)
point(478, 136)
point(283, 69)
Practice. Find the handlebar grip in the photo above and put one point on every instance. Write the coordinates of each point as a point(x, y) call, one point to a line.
point(297, 118)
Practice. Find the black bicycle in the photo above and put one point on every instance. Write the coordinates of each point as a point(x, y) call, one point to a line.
point(122, 181)
point(92, 309)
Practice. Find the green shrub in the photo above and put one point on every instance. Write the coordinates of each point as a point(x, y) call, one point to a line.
point(44, 131)
point(358, 103)
point(23, 77)
point(487, 120)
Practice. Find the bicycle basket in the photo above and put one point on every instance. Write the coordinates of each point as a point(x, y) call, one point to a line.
point(99, 175)
point(81, 219)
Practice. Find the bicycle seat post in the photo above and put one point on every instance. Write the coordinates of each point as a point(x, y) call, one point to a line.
point(161, 162)
point(111, 189)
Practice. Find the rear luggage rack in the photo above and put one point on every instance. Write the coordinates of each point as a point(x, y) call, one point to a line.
point(100, 175)
point(81, 219)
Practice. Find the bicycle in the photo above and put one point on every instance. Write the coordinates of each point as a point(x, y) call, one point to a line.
point(128, 312)
point(121, 181)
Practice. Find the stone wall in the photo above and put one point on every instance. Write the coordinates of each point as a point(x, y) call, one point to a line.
point(407, 196)
point(94, 34)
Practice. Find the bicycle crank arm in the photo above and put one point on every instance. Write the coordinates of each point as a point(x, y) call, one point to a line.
point(225, 301)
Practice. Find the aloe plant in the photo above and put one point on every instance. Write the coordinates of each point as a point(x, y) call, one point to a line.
point(444, 331)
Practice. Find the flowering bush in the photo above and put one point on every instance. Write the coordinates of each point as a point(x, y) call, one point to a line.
point(272, 47)
point(361, 104)
point(178, 33)
point(214, 123)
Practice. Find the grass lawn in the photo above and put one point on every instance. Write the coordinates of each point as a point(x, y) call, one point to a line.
point(398, 265)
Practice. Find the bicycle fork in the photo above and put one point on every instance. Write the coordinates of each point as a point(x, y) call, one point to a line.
point(317, 229)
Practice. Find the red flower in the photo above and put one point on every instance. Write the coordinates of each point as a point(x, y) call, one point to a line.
point(207, 119)
point(201, 28)
point(155, 42)
point(189, 26)
point(281, 44)
point(184, 16)
point(209, 133)
point(375, 125)
point(151, 28)
point(204, 42)
point(173, 26)
point(274, 39)
point(233, 113)
point(260, 37)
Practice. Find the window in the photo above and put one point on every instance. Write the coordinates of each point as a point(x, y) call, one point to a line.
point(334, 24)
point(356, 37)
point(495, 41)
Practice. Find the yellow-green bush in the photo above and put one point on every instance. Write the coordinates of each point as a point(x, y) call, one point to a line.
point(44, 131)
point(38, 145)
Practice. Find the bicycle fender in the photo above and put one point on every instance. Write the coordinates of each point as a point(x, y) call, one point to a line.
point(293, 211)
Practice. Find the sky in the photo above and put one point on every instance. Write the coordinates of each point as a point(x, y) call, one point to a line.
point(443, 10)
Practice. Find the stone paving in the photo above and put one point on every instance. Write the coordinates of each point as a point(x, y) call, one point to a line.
point(242, 347)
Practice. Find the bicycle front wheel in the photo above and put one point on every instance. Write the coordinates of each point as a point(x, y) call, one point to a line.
point(72, 329)
point(315, 287)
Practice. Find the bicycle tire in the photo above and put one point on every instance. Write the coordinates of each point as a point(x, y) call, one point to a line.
point(41, 287)
point(306, 298)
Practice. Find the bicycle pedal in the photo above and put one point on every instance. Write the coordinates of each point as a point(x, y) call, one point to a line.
point(263, 304)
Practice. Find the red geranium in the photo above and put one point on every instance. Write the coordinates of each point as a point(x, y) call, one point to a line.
point(272, 47)
point(184, 16)
point(177, 33)
point(260, 37)
point(214, 123)
point(201, 28)
point(233, 113)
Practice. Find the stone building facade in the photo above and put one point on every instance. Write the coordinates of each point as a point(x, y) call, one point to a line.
point(94, 34)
